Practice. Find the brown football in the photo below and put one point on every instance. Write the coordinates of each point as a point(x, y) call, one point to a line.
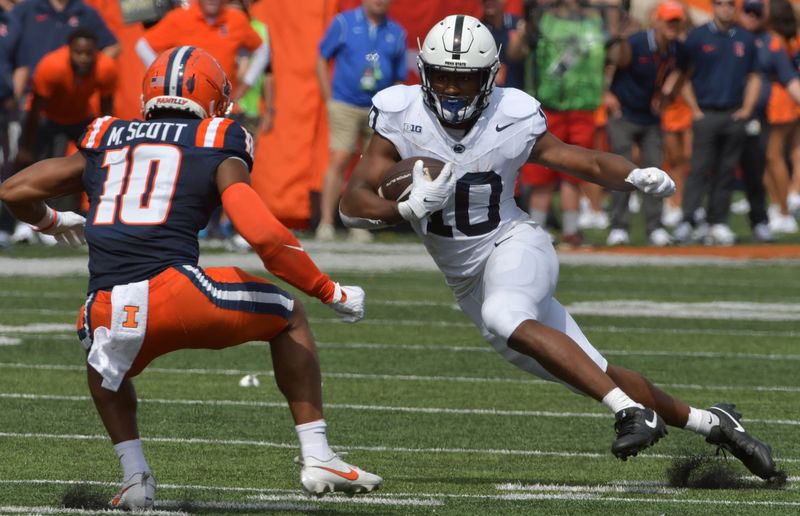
point(396, 182)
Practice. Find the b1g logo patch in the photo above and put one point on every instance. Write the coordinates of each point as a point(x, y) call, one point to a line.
point(412, 128)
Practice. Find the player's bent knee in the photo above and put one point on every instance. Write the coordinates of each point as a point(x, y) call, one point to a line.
point(298, 316)
point(500, 316)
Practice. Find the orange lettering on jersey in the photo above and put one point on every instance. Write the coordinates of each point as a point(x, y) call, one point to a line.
point(130, 322)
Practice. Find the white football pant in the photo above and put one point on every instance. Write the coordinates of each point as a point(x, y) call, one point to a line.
point(517, 284)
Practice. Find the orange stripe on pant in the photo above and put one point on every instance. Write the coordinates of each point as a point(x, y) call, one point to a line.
point(181, 316)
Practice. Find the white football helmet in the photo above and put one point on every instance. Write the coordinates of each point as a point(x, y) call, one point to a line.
point(458, 43)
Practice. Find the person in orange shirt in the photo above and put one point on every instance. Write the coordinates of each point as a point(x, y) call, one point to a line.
point(209, 24)
point(63, 98)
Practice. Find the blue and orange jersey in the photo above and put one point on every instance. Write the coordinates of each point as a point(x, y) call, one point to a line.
point(151, 187)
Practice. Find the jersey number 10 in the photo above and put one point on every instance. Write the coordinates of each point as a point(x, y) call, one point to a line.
point(149, 176)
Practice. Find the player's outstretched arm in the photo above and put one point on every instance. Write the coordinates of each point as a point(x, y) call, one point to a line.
point(277, 247)
point(25, 192)
point(603, 168)
point(360, 198)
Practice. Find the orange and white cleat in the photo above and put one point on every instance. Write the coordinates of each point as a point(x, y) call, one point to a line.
point(335, 476)
point(138, 493)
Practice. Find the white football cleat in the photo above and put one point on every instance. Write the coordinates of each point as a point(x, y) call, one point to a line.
point(138, 493)
point(335, 476)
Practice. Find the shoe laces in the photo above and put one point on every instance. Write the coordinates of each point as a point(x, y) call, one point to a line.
point(625, 425)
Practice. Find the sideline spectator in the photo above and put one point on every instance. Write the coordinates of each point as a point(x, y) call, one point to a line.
point(676, 133)
point(782, 111)
point(64, 84)
point(369, 52)
point(638, 89)
point(722, 63)
point(568, 71)
point(44, 26)
point(7, 111)
point(508, 32)
point(256, 107)
point(220, 30)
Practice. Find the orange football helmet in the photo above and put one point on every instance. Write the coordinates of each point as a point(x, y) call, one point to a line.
point(186, 79)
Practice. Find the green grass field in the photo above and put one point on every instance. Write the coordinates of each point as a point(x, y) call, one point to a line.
point(415, 395)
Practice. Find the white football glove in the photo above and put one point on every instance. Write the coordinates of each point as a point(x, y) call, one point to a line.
point(653, 181)
point(348, 303)
point(65, 226)
point(427, 196)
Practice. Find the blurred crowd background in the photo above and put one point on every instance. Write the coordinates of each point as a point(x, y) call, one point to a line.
point(303, 73)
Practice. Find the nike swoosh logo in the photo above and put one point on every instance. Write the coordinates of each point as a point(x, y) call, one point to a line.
point(119, 496)
point(296, 248)
point(499, 127)
point(503, 240)
point(349, 475)
point(739, 427)
point(653, 423)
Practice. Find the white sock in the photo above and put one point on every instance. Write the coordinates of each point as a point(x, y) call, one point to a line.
point(701, 421)
point(538, 216)
point(569, 222)
point(616, 400)
point(131, 457)
point(313, 440)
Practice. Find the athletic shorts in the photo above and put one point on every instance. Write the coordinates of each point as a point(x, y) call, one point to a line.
point(183, 307)
point(677, 117)
point(517, 284)
point(781, 108)
point(574, 127)
point(346, 124)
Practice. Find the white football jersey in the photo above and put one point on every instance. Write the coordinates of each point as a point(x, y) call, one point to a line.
point(487, 160)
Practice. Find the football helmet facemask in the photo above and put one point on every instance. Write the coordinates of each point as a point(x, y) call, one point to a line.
point(186, 79)
point(462, 44)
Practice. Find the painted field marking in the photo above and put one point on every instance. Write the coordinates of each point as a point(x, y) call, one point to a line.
point(380, 449)
point(44, 328)
point(400, 378)
point(560, 492)
point(367, 408)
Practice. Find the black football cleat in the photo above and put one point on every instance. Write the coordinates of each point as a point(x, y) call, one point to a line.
point(731, 436)
point(636, 430)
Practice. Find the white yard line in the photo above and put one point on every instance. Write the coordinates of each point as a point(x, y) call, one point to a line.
point(402, 378)
point(42, 328)
point(43, 509)
point(368, 408)
point(633, 487)
point(70, 336)
point(535, 492)
point(375, 257)
point(379, 449)
point(625, 308)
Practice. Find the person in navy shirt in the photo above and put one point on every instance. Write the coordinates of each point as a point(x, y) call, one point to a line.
point(509, 36)
point(7, 112)
point(369, 53)
point(722, 60)
point(774, 116)
point(45, 25)
point(645, 60)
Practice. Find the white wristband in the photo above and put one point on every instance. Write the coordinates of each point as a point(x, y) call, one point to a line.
point(47, 220)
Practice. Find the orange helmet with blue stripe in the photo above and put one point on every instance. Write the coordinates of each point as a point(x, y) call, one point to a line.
point(186, 79)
